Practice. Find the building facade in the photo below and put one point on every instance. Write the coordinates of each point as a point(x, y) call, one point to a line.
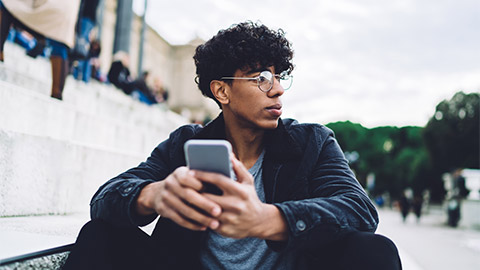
point(172, 64)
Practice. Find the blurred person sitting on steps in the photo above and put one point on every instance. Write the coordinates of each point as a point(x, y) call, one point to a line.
point(295, 203)
point(119, 73)
point(50, 20)
point(142, 91)
point(159, 91)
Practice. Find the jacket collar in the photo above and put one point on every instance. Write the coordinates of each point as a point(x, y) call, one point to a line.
point(279, 144)
point(215, 129)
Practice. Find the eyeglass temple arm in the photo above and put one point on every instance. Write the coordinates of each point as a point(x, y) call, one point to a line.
point(241, 78)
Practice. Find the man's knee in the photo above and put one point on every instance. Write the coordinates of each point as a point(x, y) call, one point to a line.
point(371, 250)
point(357, 250)
point(101, 245)
point(95, 230)
point(99, 231)
point(91, 247)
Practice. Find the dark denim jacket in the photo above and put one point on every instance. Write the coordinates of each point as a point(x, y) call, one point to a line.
point(305, 175)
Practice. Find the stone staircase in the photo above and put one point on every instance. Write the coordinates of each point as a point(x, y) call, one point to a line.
point(55, 154)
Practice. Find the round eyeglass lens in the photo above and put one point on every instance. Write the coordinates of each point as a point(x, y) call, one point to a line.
point(265, 81)
point(286, 81)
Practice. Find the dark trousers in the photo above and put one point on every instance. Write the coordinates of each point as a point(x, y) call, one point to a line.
point(102, 246)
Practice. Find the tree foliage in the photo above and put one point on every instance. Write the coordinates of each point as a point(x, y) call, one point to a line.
point(415, 157)
point(452, 137)
point(396, 156)
point(452, 134)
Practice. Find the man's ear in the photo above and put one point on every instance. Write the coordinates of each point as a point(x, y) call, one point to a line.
point(220, 91)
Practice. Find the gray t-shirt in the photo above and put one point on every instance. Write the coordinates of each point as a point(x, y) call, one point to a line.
point(220, 252)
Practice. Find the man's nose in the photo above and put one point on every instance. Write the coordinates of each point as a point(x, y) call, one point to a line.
point(277, 88)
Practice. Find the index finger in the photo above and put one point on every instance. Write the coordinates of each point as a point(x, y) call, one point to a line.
point(186, 178)
point(226, 184)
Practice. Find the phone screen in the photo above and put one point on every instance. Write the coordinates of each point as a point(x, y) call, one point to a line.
point(210, 156)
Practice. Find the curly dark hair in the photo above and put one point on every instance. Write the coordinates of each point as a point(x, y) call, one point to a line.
point(243, 46)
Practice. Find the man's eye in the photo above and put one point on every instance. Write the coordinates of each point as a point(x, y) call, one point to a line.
point(262, 79)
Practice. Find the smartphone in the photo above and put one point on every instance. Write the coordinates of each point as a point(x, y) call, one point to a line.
point(210, 156)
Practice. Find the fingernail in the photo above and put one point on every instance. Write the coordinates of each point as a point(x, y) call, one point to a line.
point(216, 211)
point(214, 224)
point(192, 173)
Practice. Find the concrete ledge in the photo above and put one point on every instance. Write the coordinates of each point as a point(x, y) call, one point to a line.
point(19, 69)
point(40, 175)
point(470, 214)
point(137, 130)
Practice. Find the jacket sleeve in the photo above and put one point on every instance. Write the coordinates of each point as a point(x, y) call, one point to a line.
point(115, 200)
point(337, 203)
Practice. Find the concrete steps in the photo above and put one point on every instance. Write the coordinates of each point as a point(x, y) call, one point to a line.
point(41, 175)
point(32, 113)
point(95, 113)
point(55, 154)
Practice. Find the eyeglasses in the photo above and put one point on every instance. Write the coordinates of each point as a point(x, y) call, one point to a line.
point(266, 79)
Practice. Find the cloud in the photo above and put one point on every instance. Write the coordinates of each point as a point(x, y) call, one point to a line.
point(373, 61)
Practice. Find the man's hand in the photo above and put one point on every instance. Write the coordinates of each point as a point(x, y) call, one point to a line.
point(243, 214)
point(178, 198)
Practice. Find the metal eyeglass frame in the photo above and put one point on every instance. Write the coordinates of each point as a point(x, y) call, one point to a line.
point(268, 76)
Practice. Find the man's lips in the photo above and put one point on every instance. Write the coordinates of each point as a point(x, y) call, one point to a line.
point(275, 110)
point(275, 107)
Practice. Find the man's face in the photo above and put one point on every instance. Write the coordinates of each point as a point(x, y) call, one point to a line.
point(251, 107)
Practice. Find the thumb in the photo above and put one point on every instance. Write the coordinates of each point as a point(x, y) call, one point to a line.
point(243, 176)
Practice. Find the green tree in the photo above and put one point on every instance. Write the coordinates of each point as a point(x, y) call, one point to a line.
point(415, 157)
point(397, 156)
point(452, 137)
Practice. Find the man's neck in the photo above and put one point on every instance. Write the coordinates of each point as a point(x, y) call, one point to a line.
point(247, 143)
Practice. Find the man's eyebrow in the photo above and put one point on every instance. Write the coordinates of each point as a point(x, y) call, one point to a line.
point(255, 70)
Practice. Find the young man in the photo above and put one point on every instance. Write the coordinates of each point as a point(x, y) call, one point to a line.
point(295, 203)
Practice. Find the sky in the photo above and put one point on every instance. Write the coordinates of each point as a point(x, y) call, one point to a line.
point(373, 62)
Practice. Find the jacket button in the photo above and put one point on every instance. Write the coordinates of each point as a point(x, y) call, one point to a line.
point(301, 226)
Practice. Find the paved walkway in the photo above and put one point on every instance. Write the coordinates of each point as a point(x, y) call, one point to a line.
point(430, 244)
point(21, 235)
point(422, 246)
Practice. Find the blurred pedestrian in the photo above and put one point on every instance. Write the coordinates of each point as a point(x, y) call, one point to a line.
point(95, 50)
point(458, 193)
point(85, 69)
point(85, 32)
point(52, 20)
point(379, 201)
point(404, 204)
point(417, 204)
point(460, 189)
